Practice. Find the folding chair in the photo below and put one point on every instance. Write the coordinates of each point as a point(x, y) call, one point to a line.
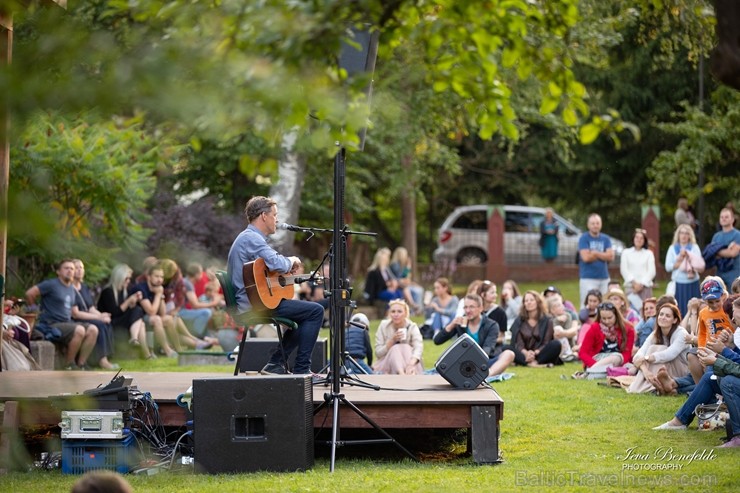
point(248, 319)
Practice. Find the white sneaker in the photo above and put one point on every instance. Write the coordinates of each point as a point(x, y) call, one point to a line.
point(669, 426)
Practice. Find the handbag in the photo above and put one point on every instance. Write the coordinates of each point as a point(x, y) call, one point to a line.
point(711, 416)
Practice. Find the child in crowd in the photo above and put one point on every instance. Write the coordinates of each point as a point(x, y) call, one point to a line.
point(588, 313)
point(358, 346)
point(712, 320)
point(647, 324)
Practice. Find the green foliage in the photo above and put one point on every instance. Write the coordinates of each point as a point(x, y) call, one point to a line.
point(83, 182)
point(710, 144)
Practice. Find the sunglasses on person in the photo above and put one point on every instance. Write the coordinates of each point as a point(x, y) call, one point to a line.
point(606, 306)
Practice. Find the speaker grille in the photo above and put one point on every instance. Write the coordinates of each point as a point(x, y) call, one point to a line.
point(464, 364)
point(245, 424)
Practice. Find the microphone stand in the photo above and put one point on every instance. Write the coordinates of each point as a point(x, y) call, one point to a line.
point(340, 303)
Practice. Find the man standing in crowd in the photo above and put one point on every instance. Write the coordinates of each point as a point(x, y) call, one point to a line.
point(250, 245)
point(57, 310)
point(595, 252)
point(729, 238)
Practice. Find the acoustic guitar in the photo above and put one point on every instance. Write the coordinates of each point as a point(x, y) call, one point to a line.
point(266, 288)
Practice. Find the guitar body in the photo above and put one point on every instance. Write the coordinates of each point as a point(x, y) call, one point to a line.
point(265, 288)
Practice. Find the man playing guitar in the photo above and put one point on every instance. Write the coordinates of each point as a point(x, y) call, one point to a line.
point(250, 245)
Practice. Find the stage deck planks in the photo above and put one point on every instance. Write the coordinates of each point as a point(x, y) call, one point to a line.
point(419, 402)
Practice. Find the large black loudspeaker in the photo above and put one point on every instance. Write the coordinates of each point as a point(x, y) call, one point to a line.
point(258, 351)
point(464, 364)
point(247, 424)
point(358, 59)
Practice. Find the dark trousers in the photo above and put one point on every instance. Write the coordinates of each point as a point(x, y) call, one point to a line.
point(308, 315)
point(550, 353)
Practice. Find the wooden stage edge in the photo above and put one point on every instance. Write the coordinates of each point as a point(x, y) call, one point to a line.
point(404, 402)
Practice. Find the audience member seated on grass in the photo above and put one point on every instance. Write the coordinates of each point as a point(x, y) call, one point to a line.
point(729, 384)
point(487, 292)
point(401, 265)
point(358, 345)
point(708, 387)
point(565, 329)
point(398, 343)
point(665, 349)
point(617, 297)
point(178, 291)
point(569, 307)
point(712, 321)
point(380, 283)
point(152, 302)
point(126, 314)
point(511, 301)
point(589, 312)
point(441, 309)
point(483, 330)
point(196, 308)
point(87, 312)
point(101, 481)
point(473, 288)
point(647, 322)
point(608, 341)
point(55, 320)
point(532, 334)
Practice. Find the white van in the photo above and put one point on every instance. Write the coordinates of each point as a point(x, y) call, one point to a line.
point(463, 236)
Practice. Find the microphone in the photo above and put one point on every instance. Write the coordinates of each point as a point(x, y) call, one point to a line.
point(290, 227)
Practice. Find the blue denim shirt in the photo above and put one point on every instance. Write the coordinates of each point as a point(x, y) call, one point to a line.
point(250, 245)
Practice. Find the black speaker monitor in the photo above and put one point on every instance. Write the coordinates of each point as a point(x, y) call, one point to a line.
point(464, 364)
point(247, 424)
point(257, 352)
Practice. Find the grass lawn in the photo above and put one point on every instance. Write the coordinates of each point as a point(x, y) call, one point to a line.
point(557, 434)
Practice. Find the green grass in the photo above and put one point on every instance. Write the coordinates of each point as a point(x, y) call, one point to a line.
point(557, 434)
point(570, 433)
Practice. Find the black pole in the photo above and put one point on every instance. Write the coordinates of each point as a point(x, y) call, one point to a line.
point(339, 291)
point(339, 304)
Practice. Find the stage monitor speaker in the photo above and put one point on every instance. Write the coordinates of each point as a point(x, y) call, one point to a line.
point(247, 424)
point(464, 364)
point(257, 351)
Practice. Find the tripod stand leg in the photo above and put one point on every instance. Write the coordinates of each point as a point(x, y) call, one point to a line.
point(375, 425)
point(334, 433)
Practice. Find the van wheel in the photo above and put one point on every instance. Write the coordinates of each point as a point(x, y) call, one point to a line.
point(471, 256)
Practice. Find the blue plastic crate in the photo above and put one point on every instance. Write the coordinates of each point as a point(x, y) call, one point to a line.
point(82, 455)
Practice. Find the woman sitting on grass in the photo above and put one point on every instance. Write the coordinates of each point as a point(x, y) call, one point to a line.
point(665, 348)
point(608, 341)
point(532, 339)
point(398, 343)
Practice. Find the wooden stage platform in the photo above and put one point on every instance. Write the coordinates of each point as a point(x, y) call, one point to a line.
point(404, 402)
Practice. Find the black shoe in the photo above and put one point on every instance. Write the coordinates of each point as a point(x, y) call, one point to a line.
point(71, 367)
point(274, 369)
point(84, 367)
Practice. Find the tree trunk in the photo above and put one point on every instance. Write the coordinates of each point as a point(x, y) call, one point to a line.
point(287, 191)
point(408, 216)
